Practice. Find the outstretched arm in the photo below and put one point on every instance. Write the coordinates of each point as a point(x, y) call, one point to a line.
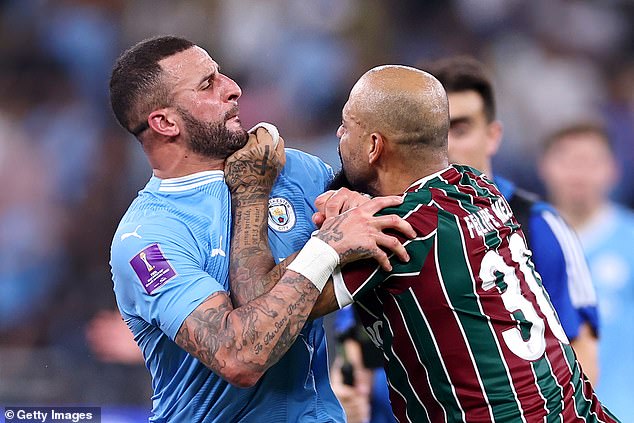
point(250, 174)
point(241, 343)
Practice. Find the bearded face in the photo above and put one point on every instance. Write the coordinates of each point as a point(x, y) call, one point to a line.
point(212, 140)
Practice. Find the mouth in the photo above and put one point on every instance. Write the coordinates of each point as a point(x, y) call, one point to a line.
point(233, 114)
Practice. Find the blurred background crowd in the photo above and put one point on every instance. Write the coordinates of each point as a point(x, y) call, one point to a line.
point(70, 172)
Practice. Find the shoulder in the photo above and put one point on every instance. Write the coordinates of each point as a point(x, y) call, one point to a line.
point(156, 228)
point(305, 171)
point(300, 161)
point(624, 215)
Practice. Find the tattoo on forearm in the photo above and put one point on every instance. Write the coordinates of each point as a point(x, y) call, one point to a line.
point(196, 337)
point(257, 334)
point(251, 259)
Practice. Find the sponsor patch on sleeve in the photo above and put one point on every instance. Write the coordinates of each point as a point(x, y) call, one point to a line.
point(152, 268)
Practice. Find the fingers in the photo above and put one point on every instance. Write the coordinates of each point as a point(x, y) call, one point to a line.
point(251, 141)
point(270, 129)
point(343, 200)
point(379, 203)
point(333, 203)
point(318, 219)
point(263, 136)
point(381, 257)
point(392, 221)
point(280, 152)
point(322, 199)
point(392, 244)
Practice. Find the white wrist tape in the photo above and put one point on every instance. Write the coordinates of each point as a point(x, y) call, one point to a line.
point(270, 128)
point(316, 262)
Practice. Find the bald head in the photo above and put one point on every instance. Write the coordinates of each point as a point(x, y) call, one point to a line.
point(405, 104)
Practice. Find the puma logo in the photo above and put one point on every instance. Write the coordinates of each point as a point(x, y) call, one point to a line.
point(218, 251)
point(129, 234)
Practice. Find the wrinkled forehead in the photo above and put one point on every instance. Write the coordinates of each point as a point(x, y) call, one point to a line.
point(189, 66)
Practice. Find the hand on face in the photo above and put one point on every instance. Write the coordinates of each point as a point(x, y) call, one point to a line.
point(255, 166)
point(357, 234)
point(334, 202)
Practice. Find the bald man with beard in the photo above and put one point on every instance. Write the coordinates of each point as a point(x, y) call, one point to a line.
point(466, 329)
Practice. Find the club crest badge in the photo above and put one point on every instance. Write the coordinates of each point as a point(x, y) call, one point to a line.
point(281, 214)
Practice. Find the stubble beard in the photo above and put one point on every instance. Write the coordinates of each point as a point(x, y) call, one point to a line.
point(341, 180)
point(213, 140)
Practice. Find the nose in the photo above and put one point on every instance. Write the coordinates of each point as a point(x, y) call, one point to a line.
point(232, 89)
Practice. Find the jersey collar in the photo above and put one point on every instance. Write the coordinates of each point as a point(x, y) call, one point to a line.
point(195, 180)
point(422, 181)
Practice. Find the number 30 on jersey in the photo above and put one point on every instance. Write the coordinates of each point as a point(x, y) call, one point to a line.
point(534, 345)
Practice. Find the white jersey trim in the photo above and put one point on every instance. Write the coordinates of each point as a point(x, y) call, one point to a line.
point(582, 292)
point(423, 181)
point(341, 291)
point(194, 180)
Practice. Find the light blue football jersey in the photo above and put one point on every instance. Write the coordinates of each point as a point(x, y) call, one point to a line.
point(607, 241)
point(170, 253)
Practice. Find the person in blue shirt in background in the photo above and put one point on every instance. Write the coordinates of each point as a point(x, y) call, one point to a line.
point(580, 171)
point(212, 347)
point(474, 137)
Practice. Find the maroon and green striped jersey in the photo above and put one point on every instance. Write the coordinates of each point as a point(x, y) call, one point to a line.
point(467, 331)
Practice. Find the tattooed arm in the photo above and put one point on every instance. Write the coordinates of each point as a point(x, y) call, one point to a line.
point(250, 174)
point(241, 343)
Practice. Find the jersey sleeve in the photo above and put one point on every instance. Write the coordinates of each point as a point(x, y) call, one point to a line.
point(158, 273)
point(560, 261)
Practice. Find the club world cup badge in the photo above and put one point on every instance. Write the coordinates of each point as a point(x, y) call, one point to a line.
point(281, 214)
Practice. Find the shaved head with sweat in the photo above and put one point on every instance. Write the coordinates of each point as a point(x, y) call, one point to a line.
point(394, 130)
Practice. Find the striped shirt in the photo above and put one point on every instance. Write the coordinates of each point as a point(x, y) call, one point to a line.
point(467, 330)
point(558, 257)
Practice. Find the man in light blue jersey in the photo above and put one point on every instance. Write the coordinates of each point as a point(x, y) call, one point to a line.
point(211, 349)
point(580, 172)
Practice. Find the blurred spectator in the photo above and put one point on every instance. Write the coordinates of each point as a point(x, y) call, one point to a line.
point(30, 262)
point(618, 113)
point(111, 341)
point(579, 170)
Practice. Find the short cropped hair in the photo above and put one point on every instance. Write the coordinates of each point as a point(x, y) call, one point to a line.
point(579, 128)
point(136, 84)
point(464, 73)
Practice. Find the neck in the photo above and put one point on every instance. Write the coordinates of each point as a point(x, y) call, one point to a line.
point(395, 179)
point(171, 160)
point(487, 169)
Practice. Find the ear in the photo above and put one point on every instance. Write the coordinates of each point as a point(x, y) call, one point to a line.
point(163, 121)
point(376, 148)
point(494, 132)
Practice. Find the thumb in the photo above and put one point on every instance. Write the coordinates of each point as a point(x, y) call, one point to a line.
point(318, 219)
